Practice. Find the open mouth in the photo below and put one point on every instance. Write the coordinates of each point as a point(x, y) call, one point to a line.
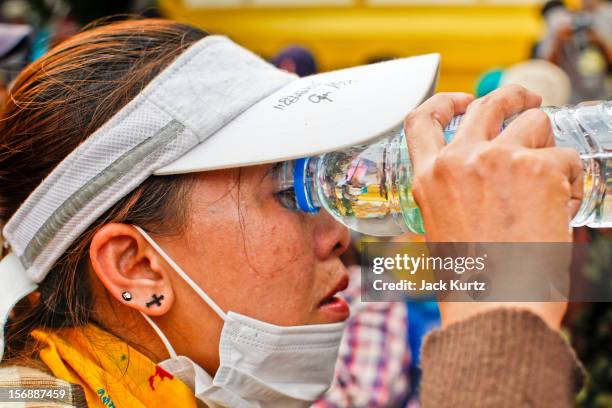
point(334, 307)
point(331, 297)
point(329, 301)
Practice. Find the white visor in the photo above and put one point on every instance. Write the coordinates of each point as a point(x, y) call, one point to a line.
point(317, 114)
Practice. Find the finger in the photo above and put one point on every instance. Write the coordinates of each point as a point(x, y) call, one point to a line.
point(569, 163)
point(530, 129)
point(485, 116)
point(425, 125)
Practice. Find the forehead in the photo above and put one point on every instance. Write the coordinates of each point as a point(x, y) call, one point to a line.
point(216, 183)
point(244, 173)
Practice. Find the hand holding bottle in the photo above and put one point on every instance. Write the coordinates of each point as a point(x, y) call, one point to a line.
point(489, 187)
point(486, 186)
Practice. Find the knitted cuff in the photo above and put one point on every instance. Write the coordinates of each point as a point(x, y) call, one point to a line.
point(500, 358)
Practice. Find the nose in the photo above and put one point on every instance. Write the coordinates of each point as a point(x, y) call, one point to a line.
point(331, 238)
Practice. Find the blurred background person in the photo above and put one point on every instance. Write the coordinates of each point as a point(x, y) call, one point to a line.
point(15, 47)
point(542, 77)
point(297, 60)
point(581, 44)
point(539, 76)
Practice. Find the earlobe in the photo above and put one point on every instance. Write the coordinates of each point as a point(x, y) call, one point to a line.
point(131, 270)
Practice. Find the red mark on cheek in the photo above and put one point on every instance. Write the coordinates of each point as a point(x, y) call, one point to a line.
point(161, 373)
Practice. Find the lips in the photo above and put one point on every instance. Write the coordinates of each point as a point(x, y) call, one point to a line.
point(333, 308)
point(331, 296)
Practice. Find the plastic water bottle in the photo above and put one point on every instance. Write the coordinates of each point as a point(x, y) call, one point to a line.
point(369, 188)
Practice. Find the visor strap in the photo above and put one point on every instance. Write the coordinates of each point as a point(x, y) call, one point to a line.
point(15, 284)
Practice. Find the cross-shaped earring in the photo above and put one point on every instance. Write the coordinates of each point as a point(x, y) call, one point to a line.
point(155, 301)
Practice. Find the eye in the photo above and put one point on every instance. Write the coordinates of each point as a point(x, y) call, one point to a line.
point(287, 198)
point(282, 176)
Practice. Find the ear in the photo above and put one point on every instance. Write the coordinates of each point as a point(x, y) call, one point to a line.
point(125, 262)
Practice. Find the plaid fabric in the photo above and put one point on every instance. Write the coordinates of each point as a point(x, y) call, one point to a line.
point(25, 378)
point(374, 359)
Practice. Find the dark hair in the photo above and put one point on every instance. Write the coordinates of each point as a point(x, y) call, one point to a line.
point(54, 105)
point(551, 5)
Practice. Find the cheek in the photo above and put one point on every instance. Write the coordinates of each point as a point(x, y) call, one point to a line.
point(282, 267)
point(276, 240)
point(253, 256)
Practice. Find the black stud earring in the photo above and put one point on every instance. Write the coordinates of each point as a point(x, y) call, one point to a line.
point(156, 300)
point(127, 296)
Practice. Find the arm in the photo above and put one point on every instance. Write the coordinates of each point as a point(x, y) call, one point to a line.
point(500, 358)
point(484, 186)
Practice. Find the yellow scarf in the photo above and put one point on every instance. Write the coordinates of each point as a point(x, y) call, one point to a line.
point(112, 374)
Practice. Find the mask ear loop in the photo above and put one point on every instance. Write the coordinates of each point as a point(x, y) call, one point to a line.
point(161, 335)
point(187, 280)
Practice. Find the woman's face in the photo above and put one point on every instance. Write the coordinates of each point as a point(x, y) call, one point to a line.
point(253, 256)
point(248, 252)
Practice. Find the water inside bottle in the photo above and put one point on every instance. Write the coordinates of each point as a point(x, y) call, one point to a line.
point(599, 179)
point(360, 192)
point(588, 128)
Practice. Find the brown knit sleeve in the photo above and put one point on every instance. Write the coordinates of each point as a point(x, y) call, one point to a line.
point(501, 358)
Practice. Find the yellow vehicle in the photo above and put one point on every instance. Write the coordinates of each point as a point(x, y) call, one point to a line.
point(472, 35)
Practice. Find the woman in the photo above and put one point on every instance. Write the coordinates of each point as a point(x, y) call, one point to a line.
point(183, 290)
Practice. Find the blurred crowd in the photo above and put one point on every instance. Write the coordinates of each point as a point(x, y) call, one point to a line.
point(29, 28)
point(571, 63)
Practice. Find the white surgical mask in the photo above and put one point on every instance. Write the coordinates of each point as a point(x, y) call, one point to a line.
point(261, 364)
